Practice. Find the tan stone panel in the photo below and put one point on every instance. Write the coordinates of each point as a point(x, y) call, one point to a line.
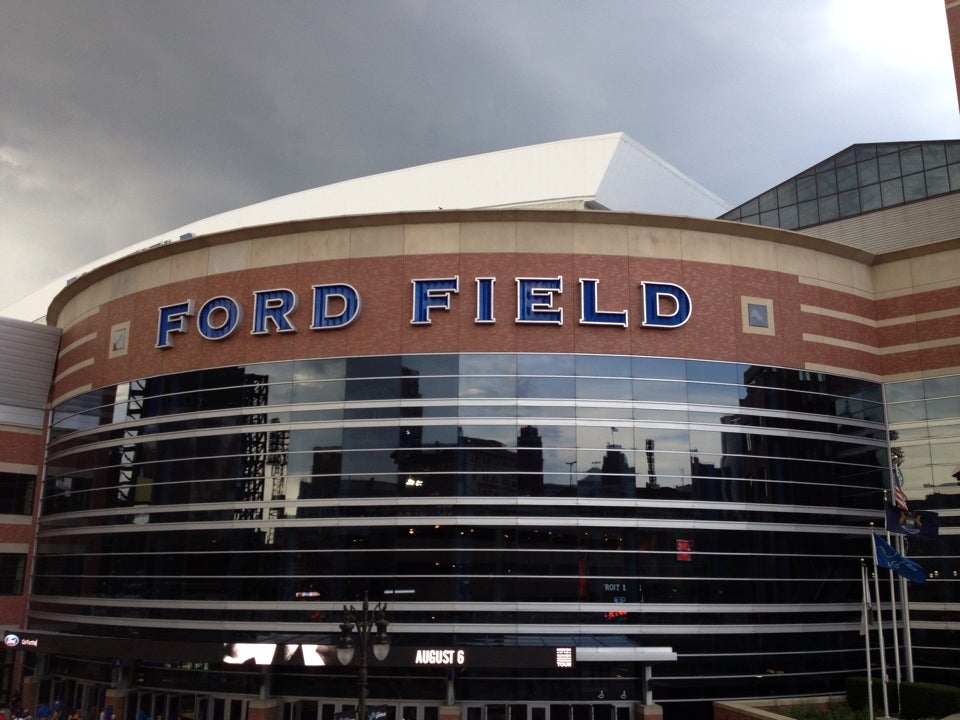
point(86, 302)
point(477, 237)
point(706, 247)
point(834, 270)
point(17, 468)
point(862, 277)
point(797, 261)
point(72, 392)
point(662, 243)
point(538, 237)
point(595, 239)
point(76, 367)
point(229, 258)
point(747, 252)
point(936, 269)
point(842, 370)
point(328, 245)
point(155, 273)
point(189, 265)
point(89, 337)
point(98, 294)
point(124, 283)
point(68, 315)
point(266, 252)
point(431, 239)
point(88, 313)
point(380, 241)
point(892, 276)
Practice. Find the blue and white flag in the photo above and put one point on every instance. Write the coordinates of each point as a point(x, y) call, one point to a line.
point(886, 557)
point(919, 523)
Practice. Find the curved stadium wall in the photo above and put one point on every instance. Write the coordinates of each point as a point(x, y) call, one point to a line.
point(519, 429)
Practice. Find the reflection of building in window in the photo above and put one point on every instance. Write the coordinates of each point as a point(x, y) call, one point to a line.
point(11, 573)
point(473, 467)
point(255, 449)
point(118, 339)
point(614, 478)
point(650, 445)
point(757, 315)
point(530, 461)
point(16, 493)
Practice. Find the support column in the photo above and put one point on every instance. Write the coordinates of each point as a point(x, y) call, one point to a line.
point(263, 710)
point(117, 699)
point(449, 712)
point(647, 712)
point(29, 691)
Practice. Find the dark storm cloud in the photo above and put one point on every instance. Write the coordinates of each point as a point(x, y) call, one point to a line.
point(120, 120)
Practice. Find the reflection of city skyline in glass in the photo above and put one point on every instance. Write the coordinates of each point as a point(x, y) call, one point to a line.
point(925, 436)
point(485, 496)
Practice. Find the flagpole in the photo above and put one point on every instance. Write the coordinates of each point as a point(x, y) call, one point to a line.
point(883, 659)
point(905, 602)
point(896, 635)
point(865, 589)
point(893, 612)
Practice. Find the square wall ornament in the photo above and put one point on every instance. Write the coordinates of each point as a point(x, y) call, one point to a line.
point(757, 315)
point(119, 335)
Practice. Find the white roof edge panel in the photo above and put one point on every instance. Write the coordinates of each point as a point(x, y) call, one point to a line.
point(640, 181)
point(29, 353)
point(612, 169)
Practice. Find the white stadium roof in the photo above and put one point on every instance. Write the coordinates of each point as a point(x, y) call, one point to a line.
point(612, 172)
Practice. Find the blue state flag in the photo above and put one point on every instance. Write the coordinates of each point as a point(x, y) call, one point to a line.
point(886, 557)
point(918, 523)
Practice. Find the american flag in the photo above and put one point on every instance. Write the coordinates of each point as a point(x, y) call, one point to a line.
point(899, 498)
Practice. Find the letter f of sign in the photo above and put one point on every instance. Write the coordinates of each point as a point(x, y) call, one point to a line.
point(173, 318)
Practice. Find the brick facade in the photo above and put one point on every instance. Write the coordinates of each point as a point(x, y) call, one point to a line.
point(828, 314)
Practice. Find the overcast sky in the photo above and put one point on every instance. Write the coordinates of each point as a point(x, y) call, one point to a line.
point(122, 120)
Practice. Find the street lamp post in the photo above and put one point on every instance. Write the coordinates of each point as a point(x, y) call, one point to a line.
point(364, 620)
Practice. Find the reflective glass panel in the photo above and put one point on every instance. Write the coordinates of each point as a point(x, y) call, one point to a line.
point(911, 160)
point(934, 155)
point(849, 203)
point(870, 198)
point(807, 188)
point(914, 187)
point(891, 192)
point(868, 172)
point(938, 181)
point(828, 208)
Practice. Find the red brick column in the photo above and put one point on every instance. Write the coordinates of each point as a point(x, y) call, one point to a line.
point(648, 712)
point(28, 693)
point(117, 698)
point(449, 712)
point(263, 710)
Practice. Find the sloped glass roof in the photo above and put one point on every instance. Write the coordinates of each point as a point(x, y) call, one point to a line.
point(861, 179)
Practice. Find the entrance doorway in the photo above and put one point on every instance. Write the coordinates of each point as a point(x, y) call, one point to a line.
point(550, 711)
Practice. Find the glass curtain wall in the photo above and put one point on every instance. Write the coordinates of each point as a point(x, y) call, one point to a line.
point(494, 498)
point(924, 421)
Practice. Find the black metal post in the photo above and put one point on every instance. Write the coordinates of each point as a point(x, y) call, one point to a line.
point(363, 620)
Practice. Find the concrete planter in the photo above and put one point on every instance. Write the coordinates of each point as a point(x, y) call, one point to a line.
point(770, 708)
